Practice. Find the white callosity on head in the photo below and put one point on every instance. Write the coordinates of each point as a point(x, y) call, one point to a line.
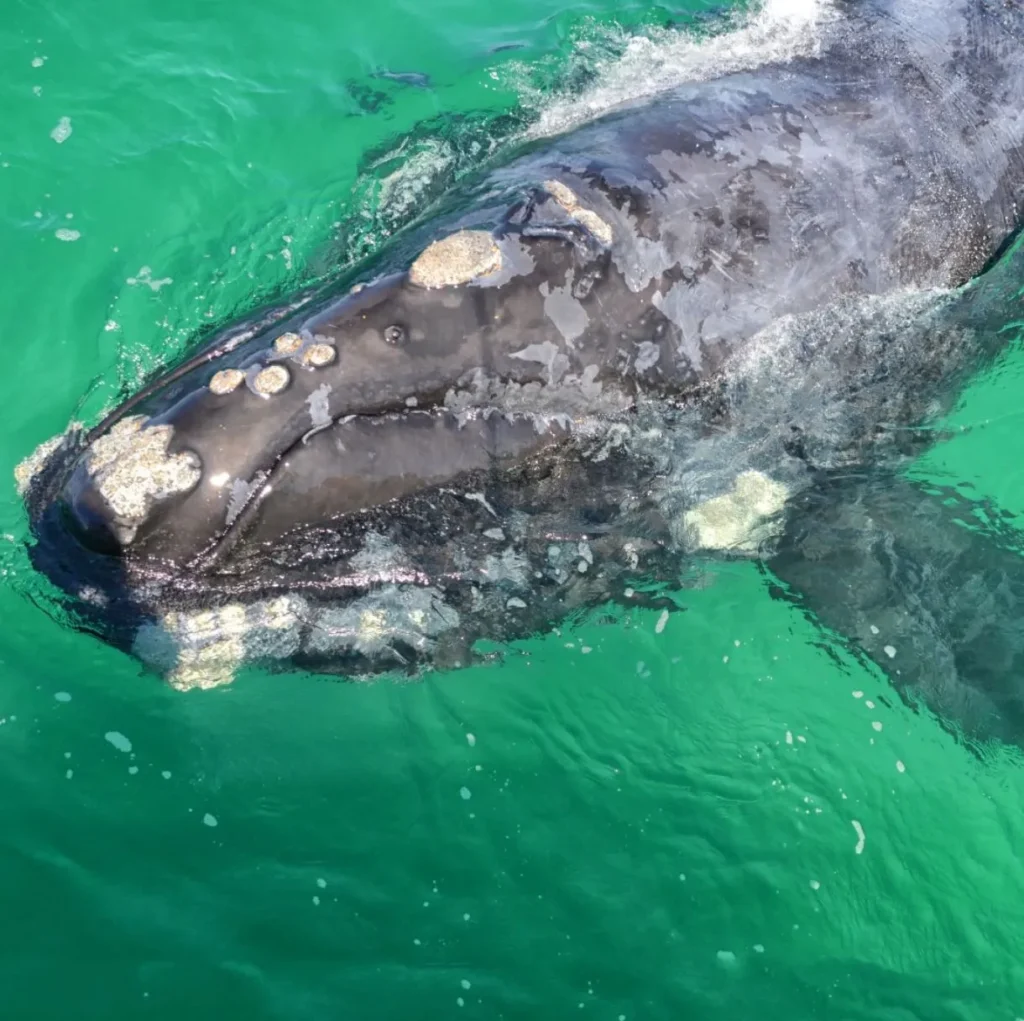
point(371, 625)
point(131, 468)
point(271, 380)
point(204, 649)
point(456, 259)
point(226, 381)
point(740, 519)
point(288, 343)
point(31, 466)
point(311, 352)
point(318, 355)
point(570, 202)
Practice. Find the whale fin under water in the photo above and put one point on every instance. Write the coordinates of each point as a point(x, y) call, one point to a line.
point(904, 574)
point(922, 581)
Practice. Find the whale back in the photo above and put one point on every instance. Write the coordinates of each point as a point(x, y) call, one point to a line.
point(965, 60)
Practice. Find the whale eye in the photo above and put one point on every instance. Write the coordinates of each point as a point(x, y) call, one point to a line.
point(394, 335)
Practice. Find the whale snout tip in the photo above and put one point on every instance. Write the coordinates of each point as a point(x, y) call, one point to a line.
point(112, 489)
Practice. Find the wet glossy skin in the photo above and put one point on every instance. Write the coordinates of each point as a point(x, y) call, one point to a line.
point(696, 221)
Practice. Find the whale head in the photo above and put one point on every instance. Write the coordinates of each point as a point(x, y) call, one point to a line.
point(483, 351)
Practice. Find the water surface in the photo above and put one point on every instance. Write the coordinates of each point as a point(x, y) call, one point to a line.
point(727, 818)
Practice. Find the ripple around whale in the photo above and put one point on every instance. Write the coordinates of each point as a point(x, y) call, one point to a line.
point(665, 333)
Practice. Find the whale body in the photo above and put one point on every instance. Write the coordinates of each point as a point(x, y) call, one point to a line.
point(652, 338)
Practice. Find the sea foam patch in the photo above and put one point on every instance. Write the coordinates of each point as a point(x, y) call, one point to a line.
point(655, 60)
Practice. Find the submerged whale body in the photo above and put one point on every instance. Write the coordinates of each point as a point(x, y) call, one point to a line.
point(649, 338)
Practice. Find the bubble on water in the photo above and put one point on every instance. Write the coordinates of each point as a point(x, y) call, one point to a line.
point(585, 649)
point(789, 737)
point(465, 917)
point(726, 957)
point(858, 694)
point(870, 704)
point(110, 325)
point(166, 774)
point(471, 740)
point(465, 983)
point(62, 132)
point(62, 696)
point(815, 885)
point(874, 630)
point(876, 724)
point(145, 277)
point(70, 773)
point(38, 61)
point(209, 820)
point(758, 948)
point(316, 900)
point(65, 234)
point(133, 770)
point(662, 621)
point(900, 767)
point(465, 793)
point(460, 1001)
point(322, 883)
point(118, 740)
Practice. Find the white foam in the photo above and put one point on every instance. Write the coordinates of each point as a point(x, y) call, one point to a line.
point(660, 59)
point(118, 740)
point(62, 132)
point(859, 849)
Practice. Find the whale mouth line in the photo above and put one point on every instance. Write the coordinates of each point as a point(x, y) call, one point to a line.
point(261, 482)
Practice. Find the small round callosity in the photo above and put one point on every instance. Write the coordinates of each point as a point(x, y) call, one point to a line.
point(456, 259)
point(225, 381)
point(287, 343)
point(271, 380)
point(319, 355)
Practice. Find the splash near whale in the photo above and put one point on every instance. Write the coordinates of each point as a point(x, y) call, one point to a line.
point(652, 336)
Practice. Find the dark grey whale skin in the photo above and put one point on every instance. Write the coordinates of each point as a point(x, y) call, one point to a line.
point(811, 192)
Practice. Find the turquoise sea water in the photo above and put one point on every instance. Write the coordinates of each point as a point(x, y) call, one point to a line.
point(702, 822)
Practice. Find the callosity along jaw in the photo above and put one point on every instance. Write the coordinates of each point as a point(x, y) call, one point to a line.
point(181, 468)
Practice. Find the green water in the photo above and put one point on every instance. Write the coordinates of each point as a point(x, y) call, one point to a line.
point(616, 823)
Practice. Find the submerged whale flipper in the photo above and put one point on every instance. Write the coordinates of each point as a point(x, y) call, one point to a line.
point(910, 577)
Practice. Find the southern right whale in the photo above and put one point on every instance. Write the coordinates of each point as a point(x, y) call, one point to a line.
point(644, 340)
